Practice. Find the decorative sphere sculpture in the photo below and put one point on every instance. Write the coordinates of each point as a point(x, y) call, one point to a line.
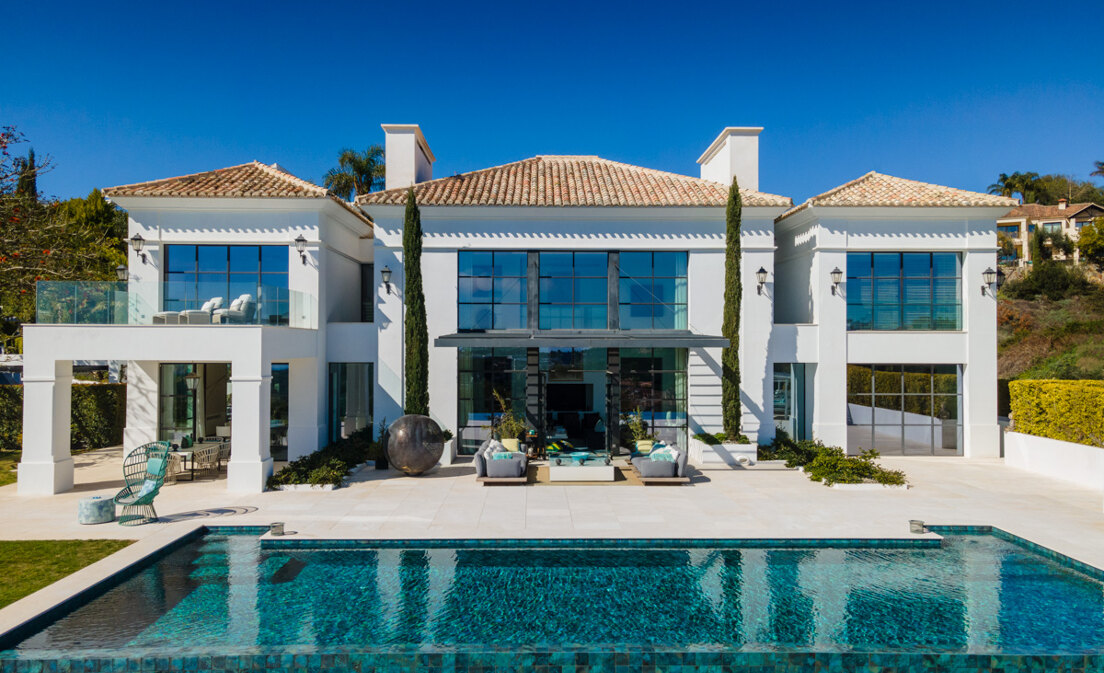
point(415, 444)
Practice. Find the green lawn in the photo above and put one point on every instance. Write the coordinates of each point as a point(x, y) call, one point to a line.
point(29, 565)
point(8, 461)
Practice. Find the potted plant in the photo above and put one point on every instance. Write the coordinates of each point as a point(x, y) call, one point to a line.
point(508, 426)
point(639, 429)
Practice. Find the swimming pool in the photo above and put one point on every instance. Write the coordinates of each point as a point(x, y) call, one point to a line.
point(231, 602)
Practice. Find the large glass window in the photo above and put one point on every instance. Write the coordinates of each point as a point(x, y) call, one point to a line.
point(493, 291)
point(653, 380)
point(351, 386)
point(652, 291)
point(176, 404)
point(904, 291)
point(904, 409)
point(481, 373)
point(278, 411)
point(574, 290)
point(1012, 230)
point(576, 393)
point(197, 273)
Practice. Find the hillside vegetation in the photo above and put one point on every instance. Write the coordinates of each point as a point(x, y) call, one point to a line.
point(1051, 325)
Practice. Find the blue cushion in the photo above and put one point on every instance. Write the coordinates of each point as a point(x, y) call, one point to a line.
point(502, 455)
point(149, 486)
point(666, 454)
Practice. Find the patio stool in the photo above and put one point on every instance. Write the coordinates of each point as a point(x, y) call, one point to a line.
point(96, 510)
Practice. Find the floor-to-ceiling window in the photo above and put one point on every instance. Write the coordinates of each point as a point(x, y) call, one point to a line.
point(652, 290)
point(574, 290)
point(350, 398)
point(904, 291)
point(493, 292)
point(197, 273)
point(576, 395)
point(653, 382)
point(481, 373)
point(278, 415)
point(176, 416)
point(789, 399)
point(904, 409)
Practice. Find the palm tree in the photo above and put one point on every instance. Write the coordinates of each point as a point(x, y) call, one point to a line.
point(356, 172)
point(1023, 184)
point(1099, 169)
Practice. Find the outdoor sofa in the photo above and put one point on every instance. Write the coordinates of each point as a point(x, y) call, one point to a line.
point(651, 471)
point(490, 470)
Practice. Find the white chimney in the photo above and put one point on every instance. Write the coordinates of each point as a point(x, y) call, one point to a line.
point(735, 153)
point(407, 155)
point(1062, 204)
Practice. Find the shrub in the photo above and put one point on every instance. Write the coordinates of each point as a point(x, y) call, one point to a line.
point(1052, 280)
point(98, 416)
point(1071, 411)
point(832, 466)
point(721, 438)
point(329, 465)
point(796, 453)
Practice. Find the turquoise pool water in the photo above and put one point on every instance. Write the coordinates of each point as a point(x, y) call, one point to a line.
point(232, 595)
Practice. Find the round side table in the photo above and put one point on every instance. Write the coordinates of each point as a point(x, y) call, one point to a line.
point(96, 509)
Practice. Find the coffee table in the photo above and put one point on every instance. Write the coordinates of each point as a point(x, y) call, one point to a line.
point(581, 466)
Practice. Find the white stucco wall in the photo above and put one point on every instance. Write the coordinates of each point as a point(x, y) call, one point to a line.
point(1076, 464)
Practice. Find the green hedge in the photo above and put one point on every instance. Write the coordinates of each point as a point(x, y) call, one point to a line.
point(99, 415)
point(1072, 411)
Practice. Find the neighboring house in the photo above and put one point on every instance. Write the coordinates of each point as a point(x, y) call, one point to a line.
point(1067, 218)
point(579, 288)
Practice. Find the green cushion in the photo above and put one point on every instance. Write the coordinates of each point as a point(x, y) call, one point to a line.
point(156, 466)
point(502, 455)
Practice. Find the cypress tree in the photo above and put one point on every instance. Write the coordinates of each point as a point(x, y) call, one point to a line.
point(730, 329)
point(416, 333)
point(27, 184)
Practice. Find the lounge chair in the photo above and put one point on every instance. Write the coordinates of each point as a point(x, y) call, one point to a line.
point(203, 315)
point(241, 311)
point(652, 471)
point(166, 318)
point(489, 470)
point(206, 461)
point(144, 473)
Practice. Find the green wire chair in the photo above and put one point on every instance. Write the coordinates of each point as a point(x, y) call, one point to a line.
point(144, 473)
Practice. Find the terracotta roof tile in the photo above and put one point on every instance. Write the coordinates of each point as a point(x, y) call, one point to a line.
point(570, 181)
point(251, 180)
point(876, 189)
point(1035, 211)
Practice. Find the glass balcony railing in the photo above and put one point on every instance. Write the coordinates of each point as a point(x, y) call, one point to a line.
point(136, 303)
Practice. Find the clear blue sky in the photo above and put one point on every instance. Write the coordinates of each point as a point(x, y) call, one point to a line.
point(952, 92)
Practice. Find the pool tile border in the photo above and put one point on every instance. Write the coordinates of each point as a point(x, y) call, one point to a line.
point(1046, 552)
point(651, 543)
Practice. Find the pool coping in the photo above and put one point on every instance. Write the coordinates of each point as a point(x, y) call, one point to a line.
point(29, 614)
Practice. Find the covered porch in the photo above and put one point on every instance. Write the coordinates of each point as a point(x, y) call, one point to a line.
point(182, 381)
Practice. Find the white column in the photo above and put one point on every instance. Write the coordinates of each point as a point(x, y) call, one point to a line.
point(979, 373)
point(756, 370)
point(250, 434)
point(705, 305)
point(830, 379)
point(440, 266)
point(143, 388)
point(389, 317)
point(306, 412)
point(46, 466)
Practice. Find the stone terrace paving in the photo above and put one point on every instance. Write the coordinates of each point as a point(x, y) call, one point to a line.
point(764, 501)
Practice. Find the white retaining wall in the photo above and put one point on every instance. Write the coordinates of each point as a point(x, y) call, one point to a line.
point(1078, 464)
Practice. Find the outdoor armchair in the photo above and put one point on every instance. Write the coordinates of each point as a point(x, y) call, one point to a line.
point(144, 473)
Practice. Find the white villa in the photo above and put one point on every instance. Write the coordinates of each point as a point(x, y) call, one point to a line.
point(260, 307)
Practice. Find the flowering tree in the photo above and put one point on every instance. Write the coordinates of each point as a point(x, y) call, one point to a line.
point(46, 239)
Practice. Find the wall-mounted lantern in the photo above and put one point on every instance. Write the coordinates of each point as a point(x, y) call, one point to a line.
point(837, 278)
point(761, 278)
point(301, 248)
point(988, 277)
point(191, 381)
point(122, 273)
point(137, 242)
point(385, 276)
